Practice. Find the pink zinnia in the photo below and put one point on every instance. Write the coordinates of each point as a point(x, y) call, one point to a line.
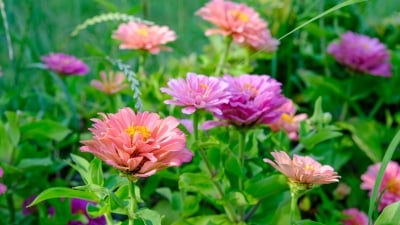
point(110, 83)
point(288, 121)
point(302, 169)
point(254, 99)
point(151, 38)
point(3, 188)
point(390, 185)
point(138, 144)
point(240, 22)
point(65, 64)
point(354, 216)
point(197, 92)
point(361, 53)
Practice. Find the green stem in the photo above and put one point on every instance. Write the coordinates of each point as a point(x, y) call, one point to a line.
point(293, 206)
point(242, 144)
point(7, 31)
point(132, 203)
point(108, 217)
point(224, 56)
point(376, 108)
point(145, 9)
point(11, 208)
point(142, 62)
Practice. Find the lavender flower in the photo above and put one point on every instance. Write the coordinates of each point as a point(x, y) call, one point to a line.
point(361, 53)
point(65, 64)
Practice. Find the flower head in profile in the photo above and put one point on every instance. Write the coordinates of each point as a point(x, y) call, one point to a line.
point(197, 92)
point(242, 23)
point(288, 121)
point(253, 100)
point(79, 206)
point(110, 83)
point(390, 185)
point(140, 36)
point(138, 144)
point(303, 170)
point(65, 64)
point(361, 53)
point(3, 188)
point(354, 216)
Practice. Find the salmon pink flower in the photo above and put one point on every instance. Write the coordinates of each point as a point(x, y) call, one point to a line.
point(302, 170)
point(361, 53)
point(253, 100)
point(110, 83)
point(288, 121)
point(138, 144)
point(197, 92)
point(354, 216)
point(240, 22)
point(151, 38)
point(390, 185)
point(65, 64)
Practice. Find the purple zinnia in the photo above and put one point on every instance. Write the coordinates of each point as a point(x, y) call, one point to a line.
point(78, 206)
point(254, 99)
point(197, 92)
point(361, 53)
point(65, 64)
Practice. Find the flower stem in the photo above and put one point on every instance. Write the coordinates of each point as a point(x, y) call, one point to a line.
point(132, 202)
point(242, 144)
point(293, 206)
point(224, 56)
point(108, 217)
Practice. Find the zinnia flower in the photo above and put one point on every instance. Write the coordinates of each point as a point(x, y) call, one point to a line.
point(197, 92)
point(361, 53)
point(3, 188)
point(240, 22)
point(288, 121)
point(354, 217)
point(254, 99)
point(79, 206)
point(302, 170)
point(390, 185)
point(151, 38)
point(65, 64)
point(110, 83)
point(138, 144)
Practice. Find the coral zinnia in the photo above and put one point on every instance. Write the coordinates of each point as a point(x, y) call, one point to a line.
point(240, 22)
point(354, 217)
point(151, 38)
point(65, 64)
point(110, 83)
point(361, 53)
point(138, 144)
point(197, 92)
point(390, 185)
point(302, 170)
point(288, 121)
point(254, 99)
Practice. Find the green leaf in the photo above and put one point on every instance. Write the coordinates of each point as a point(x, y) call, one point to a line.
point(321, 135)
point(205, 220)
point(13, 127)
point(232, 165)
point(82, 166)
point(308, 222)
point(63, 192)
point(5, 144)
point(45, 129)
point(267, 186)
point(35, 162)
point(149, 217)
point(390, 215)
point(191, 205)
point(198, 183)
point(96, 172)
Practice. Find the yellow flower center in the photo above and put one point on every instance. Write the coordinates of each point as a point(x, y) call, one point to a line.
point(142, 31)
point(203, 86)
point(239, 15)
point(287, 118)
point(144, 131)
point(250, 88)
point(394, 186)
point(309, 168)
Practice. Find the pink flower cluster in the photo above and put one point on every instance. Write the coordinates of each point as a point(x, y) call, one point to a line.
point(240, 22)
point(302, 169)
point(138, 144)
point(361, 53)
point(390, 185)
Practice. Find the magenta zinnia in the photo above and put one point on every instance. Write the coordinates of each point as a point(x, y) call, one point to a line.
point(253, 100)
point(302, 170)
point(139, 36)
point(197, 92)
point(390, 185)
point(354, 216)
point(361, 53)
point(65, 64)
point(138, 144)
point(240, 22)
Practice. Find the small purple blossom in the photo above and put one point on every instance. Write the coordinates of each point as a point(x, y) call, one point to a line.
point(3, 188)
point(65, 64)
point(362, 53)
point(79, 206)
point(197, 92)
point(254, 99)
